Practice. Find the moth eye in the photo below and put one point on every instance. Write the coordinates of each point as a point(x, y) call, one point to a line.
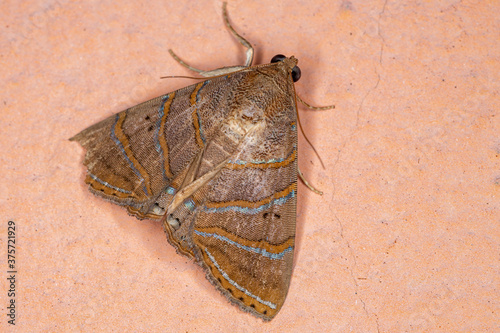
point(295, 74)
point(278, 57)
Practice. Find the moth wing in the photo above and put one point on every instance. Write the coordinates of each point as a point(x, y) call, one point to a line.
point(247, 245)
point(133, 156)
point(240, 225)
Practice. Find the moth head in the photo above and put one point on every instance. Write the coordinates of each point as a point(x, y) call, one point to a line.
point(295, 68)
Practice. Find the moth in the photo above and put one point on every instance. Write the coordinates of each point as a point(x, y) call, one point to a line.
point(216, 163)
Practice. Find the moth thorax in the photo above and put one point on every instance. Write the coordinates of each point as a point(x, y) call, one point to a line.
point(244, 122)
point(251, 113)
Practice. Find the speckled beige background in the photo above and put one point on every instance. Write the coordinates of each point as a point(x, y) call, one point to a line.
point(406, 237)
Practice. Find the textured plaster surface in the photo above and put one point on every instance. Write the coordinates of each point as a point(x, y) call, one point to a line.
point(406, 237)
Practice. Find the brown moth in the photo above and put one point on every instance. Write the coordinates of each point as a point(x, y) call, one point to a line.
point(216, 162)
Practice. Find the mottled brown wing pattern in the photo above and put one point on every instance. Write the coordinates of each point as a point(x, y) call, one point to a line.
point(217, 162)
point(133, 156)
point(240, 226)
point(246, 239)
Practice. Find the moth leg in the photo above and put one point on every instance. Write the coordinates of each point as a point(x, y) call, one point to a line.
point(224, 70)
point(215, 72)
point(180, 61)
point(243, 41)
point(312, 107)
point(306, 183)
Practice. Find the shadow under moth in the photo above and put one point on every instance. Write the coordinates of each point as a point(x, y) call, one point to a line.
point(216, 163)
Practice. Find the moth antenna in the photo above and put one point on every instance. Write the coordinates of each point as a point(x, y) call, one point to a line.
point(306, 183)
point(307, 139)
point(240, 39)
point(312, 107)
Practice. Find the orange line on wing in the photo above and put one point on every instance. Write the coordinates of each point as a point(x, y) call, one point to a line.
point(261, 244)
point(196, 120)
point(275, 165)
point(161, 136)
point(253, 204)
point(123, 139)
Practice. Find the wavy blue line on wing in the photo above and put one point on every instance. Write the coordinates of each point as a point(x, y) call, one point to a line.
point(247, 210)
point(257, 250)
point(97, 179)
point(170, 190)
point(189, 204)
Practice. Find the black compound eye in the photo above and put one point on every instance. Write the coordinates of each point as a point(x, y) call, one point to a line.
point(295, 74)
point(278, 57)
